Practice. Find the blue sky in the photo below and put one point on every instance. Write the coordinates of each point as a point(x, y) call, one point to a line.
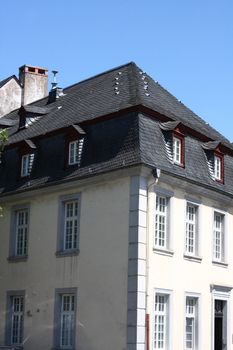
point(187, 45)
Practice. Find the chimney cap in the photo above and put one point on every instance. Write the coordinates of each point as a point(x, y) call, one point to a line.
point(27, 68)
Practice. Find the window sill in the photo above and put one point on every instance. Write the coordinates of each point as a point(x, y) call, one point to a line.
point(166, 252)
point(64, 253)
point(220, 263)
point(72, 164)
point(193, 258)
point(17, 258)
point(178, 164)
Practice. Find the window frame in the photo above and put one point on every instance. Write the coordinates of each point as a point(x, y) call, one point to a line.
point(13, 255)
point(197, 320)
point(59, 294)
point(9, 316)
point(220, 157)
point(168, 323)
point(223, 238)
point(161, 192)
point(63, 200)
point(29, 164)
point(161, 214)
point(78, 149)
point(176, 135)
point(196, 224)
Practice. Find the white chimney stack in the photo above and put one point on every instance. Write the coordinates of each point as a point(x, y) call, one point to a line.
point(34, 82)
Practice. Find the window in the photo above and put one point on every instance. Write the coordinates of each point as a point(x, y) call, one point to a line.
point(215, 159)
point(218, 239)
point(191, 324)
point(67, 321)
point(71, 225)
point(176, 150)
point(19, 232)
point(161, 321)
point(68, 227)
point(65, 318)
point(174, 138)
point(161, 222)
point(75, 151)
point(191, 234)
point(15, 318)
point(26, 164)
point(218, 168)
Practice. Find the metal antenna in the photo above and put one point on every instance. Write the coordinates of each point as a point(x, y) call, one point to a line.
point(54, 83)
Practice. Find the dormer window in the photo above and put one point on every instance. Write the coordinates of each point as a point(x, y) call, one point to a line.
point(75, 151)
point(26, 157)
point(26, 164)
point(217, 167)
point(176, 150)
point(74, 142)
point(215, 160)
point(30, 114)
point(173, 134)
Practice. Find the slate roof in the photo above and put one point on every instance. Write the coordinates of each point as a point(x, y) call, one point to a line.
point(97, 97)
point(128, 139)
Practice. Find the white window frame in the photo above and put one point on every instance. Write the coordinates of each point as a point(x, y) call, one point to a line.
point(26, 164)
point(217, 167)
point(70, 316)
point(219, 237)
point(75, 151)
point(62, 248)
point(161, 236)
point(67, 321)
point(158, 315)
point(194, 224)
point(21, 232)
point(71, 224)
point(177, 150)
point(17, 320)
point(195, 316)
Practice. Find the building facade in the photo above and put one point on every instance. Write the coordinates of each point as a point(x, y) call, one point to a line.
point(116, 216)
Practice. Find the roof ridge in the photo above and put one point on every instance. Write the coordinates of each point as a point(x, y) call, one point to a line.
point(100, 74)
point(135, 77)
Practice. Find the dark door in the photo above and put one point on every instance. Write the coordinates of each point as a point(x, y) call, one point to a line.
point(218, 336)
point(218, 325)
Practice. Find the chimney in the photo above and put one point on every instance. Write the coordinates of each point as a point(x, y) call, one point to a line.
point(34, 81)
point(56, 91)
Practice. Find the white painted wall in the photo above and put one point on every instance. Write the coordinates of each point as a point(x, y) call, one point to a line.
point(182, 275)
point(99, 271)
point(10, 97)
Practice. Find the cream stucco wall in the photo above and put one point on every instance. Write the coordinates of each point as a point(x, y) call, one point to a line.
point(180, 275)
point(99, 271)
point(10, 97)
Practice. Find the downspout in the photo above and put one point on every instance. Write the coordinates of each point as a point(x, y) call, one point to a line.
point(156, 175)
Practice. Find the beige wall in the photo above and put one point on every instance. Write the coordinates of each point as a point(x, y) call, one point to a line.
point(180, 275)
point(10, 97)
point(99, 271)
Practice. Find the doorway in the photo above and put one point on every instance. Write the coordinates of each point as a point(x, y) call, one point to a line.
point(220, 325)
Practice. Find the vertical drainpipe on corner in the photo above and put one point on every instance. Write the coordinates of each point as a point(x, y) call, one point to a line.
point(156, 175)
